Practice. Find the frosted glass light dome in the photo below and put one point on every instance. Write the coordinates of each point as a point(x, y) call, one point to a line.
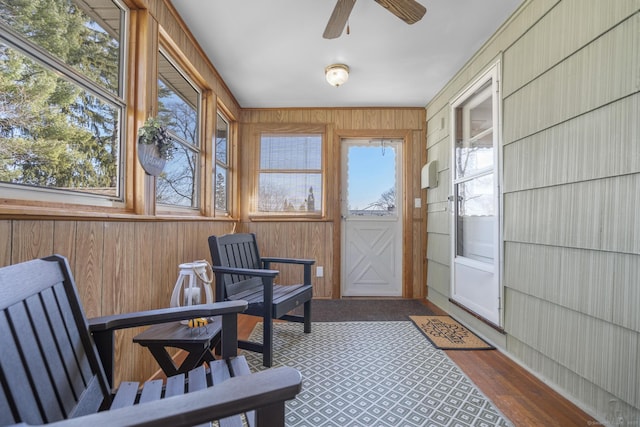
point(337, 74)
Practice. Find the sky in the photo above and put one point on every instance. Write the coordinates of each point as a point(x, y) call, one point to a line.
point(371, 173)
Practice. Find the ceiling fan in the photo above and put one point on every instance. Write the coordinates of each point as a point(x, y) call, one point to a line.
point(410, 11)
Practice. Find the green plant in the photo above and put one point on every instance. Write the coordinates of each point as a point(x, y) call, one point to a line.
point(152, 132)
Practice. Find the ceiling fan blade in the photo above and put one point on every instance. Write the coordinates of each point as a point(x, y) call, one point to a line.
point(410, 11)
point(338, 19)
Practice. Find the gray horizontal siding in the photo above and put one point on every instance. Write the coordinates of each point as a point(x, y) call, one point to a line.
point(438, 277)
point(440, 151)
point(598, 144)
point(594, 349)
point(603, 71)
point(438, 217)
point(438, 127)
point(571, 195)
point(599, 284)
point(583, 390)
point(562, 31)
point(438, 248)
point(599, 215)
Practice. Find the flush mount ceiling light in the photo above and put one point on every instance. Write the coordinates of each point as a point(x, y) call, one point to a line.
point(337, 74)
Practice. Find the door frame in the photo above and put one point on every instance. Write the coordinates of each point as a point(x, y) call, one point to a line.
point(491, 73)
point(408, 179)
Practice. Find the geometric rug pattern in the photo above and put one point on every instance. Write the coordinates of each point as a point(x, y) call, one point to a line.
point(369, 374)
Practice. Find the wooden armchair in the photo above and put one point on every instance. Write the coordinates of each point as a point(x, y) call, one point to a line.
point(52, 368)
point(241, 274)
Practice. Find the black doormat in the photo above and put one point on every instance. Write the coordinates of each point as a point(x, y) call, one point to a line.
point(361, 310)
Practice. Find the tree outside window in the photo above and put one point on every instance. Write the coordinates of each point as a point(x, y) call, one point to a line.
point(61, 101)
point(179, 112)
point(221, 167)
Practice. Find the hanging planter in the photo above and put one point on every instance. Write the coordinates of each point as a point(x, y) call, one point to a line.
point(155, 146)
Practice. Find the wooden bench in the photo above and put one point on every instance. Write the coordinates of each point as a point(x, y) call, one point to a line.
point(241, 274)
point(57, 367)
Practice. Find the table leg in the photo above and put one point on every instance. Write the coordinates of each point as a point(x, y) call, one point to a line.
point(164, 359)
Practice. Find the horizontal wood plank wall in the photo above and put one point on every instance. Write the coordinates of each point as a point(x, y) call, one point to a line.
point(119, 267)
point(571, 173)
point(320, 239)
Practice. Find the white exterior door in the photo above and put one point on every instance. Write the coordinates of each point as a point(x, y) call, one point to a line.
point(372, 218)
point(475, 281)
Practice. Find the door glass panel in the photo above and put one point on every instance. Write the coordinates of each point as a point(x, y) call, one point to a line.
point(480, 114)
point(474, 134)
point(475, 216)
point(371, 178)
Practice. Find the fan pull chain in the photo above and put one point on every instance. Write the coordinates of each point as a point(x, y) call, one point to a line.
point(348, 29)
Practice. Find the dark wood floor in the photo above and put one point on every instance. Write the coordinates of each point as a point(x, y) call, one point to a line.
point(521, 397)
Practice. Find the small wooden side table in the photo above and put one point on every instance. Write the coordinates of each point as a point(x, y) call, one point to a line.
point(197, 342)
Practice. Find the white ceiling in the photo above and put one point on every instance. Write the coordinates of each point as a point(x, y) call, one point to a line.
point(271, 53)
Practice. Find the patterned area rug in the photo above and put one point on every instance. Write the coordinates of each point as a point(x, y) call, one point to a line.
point(366, 374)
point(447, 334)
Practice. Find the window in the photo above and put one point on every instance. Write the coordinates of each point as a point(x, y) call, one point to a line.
point(290, 174)
point(221, 167)
point(62, 100)
point(179, 105)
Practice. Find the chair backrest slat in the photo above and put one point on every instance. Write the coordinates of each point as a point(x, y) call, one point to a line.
point(18, 390)
point(48, 362)
point(6, 414)
point(238, 251)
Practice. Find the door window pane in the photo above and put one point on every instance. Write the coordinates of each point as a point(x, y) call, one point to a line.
point(475, 218)
point(371, 187)
point(474, 134)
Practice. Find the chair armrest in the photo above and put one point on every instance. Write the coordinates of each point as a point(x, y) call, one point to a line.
point(163, 315)
point(236, 395)
point(245, 271)
point(305, 263)
point(268, 260)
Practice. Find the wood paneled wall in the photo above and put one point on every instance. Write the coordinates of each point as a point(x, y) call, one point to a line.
point(571, 173)
point(119, 267)
point(321, 239)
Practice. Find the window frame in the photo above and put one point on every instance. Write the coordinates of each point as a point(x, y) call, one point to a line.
point(292, 130)
point(29, 197)
point(186, 71)
point(221, 114)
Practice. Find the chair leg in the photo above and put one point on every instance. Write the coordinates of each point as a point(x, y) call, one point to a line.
point(267, 342)
point(272, 415)
point(307, 317)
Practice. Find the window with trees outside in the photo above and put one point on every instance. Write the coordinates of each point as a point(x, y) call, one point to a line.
point(62, 100)
point(221, 167)
point(290, 174)
point(179, 111)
